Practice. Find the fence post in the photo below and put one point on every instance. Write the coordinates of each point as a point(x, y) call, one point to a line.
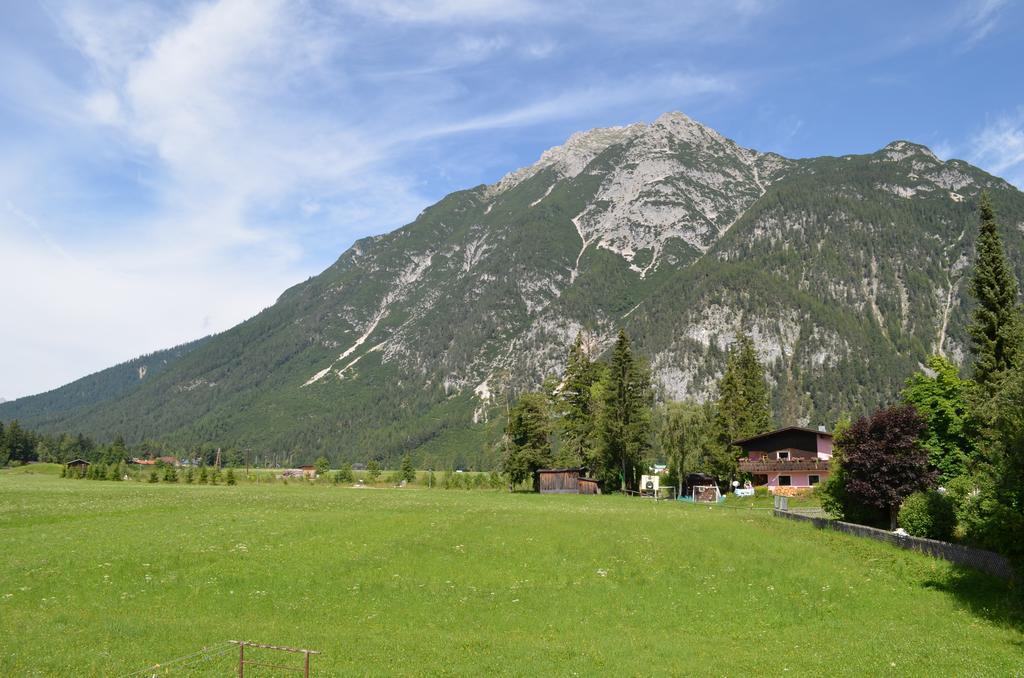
point(241, 660)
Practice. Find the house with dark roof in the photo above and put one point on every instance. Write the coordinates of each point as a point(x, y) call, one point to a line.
point(790, 457)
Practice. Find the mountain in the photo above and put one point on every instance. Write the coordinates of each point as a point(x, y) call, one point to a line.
point(846, 270)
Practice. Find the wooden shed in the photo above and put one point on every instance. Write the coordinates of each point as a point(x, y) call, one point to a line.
point(77, 466)
point(589, 486)
point(564, 481)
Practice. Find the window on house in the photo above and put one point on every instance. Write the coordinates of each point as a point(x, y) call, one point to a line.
point(813, 480)
point(783, 455)
point(785, 481)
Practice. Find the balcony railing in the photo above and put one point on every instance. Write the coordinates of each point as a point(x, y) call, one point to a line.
point(780, 465)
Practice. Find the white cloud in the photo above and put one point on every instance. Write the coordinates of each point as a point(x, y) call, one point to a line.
point(999, 147)
point(448, 11)
point(977, 18)
point(223, 146)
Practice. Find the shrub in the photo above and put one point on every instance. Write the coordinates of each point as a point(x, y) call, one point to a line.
point(215, 476)
point(170, 474)
point(153, 478)
point(229, 477)
point(344, 474)
point(204, 475)
point(63, 471)
point(190, 476)
point(928, 514)
point(373, 470)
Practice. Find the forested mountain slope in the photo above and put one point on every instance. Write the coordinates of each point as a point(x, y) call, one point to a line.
point(848, 271)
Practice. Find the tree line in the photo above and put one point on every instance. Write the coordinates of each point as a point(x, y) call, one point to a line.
point(602, 415)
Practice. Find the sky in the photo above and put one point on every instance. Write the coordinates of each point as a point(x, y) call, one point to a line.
point(167, 169)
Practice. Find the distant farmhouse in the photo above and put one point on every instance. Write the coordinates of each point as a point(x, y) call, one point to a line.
point(792, 457)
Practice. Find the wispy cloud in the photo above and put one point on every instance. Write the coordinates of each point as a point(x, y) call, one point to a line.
point(976, 19)
point(999, 147)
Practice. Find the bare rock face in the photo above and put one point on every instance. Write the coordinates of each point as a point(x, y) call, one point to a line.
point(846, 271)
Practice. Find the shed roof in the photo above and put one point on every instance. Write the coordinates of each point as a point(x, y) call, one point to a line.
point(577, 469)
point(78, 461)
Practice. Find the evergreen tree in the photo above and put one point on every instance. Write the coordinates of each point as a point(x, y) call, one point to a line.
point(215, 476)
point(344, 474)
point(996, 327)
point(528, 438)
point(229, 476)
point(408, 471)
point(1006, 520)
point(153, 478)
point(19, 443)
point(190, 476)
point(322, 465)
point(623, 418)
point(204, 476)
point(743, 408)
point(575, 403)
point(118, 451)
point(373, 470)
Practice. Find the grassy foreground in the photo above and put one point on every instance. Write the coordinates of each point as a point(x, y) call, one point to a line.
point(103, 579)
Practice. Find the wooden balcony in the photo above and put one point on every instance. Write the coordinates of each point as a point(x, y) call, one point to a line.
point(763, 466)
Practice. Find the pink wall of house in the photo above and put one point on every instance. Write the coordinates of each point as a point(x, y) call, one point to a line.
point(824, 447)
point(796, 478)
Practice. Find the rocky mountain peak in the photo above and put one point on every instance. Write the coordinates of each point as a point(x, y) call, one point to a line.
point(896, 151)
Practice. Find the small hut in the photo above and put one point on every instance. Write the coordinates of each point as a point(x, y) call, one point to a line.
point(564, 481)
point(77, 466)
point(308, 470)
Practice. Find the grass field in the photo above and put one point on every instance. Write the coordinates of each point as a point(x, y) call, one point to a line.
point(105, 578)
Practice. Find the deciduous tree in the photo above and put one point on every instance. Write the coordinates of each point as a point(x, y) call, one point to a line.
point(943, 399)
point(882, 461)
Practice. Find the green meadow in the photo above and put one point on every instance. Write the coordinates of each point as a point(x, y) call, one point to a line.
point(109, 578)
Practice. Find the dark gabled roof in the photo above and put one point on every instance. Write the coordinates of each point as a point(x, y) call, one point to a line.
point(78, 461)
point(785, 429)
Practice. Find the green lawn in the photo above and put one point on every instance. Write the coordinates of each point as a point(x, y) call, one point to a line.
point(105, 578)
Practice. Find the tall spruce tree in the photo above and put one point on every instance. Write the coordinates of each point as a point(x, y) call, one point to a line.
point(743, 408)
point(577, 406)
point(623, 417)
point(996, 328)
point(528, 438)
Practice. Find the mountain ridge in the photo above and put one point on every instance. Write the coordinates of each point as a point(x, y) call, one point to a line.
point(412, 339)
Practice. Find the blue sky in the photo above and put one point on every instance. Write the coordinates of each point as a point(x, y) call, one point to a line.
point(169, 168)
